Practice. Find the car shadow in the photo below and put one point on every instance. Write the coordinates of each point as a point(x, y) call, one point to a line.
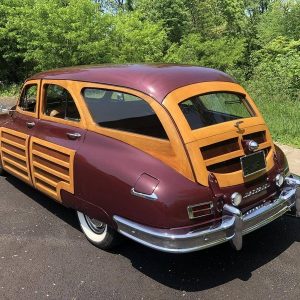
point(195, 271)
point(66, 214)
point(213, 267)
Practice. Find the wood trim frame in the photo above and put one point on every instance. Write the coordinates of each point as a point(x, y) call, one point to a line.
point(171, 152)
point(24, 112)
point(24, 147)
point(40, 181)
point(195, 139)
point(69, 86)
point(233, 178)
point(172, 101)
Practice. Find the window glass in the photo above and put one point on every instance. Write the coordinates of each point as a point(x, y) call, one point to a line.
point(28, 98)
point(123, 111)
point(209, 109)
point(60, 104)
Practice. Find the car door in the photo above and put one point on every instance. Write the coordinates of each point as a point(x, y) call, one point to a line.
point(15, 134)
point(59, 134)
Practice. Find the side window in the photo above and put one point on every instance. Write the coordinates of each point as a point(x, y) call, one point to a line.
point(28, 98)
point(122, 111)
point(59, 103)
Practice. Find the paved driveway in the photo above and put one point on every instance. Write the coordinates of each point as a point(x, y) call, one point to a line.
point(43, 255)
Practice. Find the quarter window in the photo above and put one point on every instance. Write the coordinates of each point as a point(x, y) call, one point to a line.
point(60, 104)
point(28, 98)
point(122, 111)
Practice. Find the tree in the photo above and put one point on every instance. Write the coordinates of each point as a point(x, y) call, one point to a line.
point(58, 33)
point(13, 68)
point(135, 40)
point(172, 13)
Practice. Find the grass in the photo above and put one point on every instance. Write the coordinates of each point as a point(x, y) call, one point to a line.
point(282, 116)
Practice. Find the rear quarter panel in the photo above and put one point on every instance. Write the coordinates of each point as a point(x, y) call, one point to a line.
point(105, 171)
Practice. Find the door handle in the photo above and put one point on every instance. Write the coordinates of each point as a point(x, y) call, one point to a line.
point(73, 136)
point(30, 124)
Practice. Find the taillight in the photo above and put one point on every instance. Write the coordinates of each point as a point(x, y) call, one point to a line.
point(200, 210)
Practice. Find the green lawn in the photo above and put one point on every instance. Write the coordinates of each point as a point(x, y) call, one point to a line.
point(283, 119)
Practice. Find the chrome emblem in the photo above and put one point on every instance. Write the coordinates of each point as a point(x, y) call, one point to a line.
point(252, 146)
point(257, 190)
point(237, 125)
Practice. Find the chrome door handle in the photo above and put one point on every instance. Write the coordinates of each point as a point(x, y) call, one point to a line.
point(73, 136)
point(30, 124)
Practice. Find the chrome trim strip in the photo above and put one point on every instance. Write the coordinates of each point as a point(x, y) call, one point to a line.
point(152, 196)
point(232, 228)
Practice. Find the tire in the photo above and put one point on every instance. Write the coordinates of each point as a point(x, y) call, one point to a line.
point(98, 233)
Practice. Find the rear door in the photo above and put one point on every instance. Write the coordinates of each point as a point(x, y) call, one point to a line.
point(15, 136)
point(59, 134)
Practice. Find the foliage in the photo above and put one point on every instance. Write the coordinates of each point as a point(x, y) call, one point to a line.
point(136, 40)
point(277, 70)
point(9, 90)
point(223, 53)
point(256, 41)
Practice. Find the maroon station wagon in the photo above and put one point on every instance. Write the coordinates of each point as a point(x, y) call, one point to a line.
point(177, 158)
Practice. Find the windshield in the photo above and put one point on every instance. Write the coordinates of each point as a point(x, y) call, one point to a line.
point(215, 108)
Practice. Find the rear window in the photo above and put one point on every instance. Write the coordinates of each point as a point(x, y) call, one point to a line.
point(122, 111)
point(215, 108)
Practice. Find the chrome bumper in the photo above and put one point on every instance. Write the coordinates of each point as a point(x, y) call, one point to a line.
point(232, 228)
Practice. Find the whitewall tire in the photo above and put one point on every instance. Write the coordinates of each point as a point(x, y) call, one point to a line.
point(98, 233)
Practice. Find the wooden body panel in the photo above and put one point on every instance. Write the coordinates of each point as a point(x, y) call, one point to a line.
point(14, 153)
point(52, 168)
point(210, 135)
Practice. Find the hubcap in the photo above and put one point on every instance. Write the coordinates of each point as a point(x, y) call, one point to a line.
point(95, 225)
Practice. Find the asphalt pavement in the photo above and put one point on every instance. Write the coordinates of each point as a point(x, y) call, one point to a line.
point(44, 255)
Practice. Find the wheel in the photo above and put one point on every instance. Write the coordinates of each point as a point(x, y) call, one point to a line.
point(98, 233)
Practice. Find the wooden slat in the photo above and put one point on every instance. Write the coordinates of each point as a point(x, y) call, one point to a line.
point(3, 149)
point(51, 171)
point(264, 145)
point(10, 142)
point(16, 173)
point(45, 179)
point(51, 159)
point(224, 157)
point(46, 190)
point(14, 163)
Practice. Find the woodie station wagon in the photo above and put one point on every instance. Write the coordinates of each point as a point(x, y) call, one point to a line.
point(177, 158)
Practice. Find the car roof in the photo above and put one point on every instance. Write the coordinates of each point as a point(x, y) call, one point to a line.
point(156, 81)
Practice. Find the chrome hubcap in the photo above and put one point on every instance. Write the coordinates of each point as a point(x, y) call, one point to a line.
point(95, 225)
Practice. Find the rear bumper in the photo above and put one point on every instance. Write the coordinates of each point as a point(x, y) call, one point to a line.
point(232, 228)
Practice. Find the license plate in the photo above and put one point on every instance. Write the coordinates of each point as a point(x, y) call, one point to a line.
point(253, 163)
